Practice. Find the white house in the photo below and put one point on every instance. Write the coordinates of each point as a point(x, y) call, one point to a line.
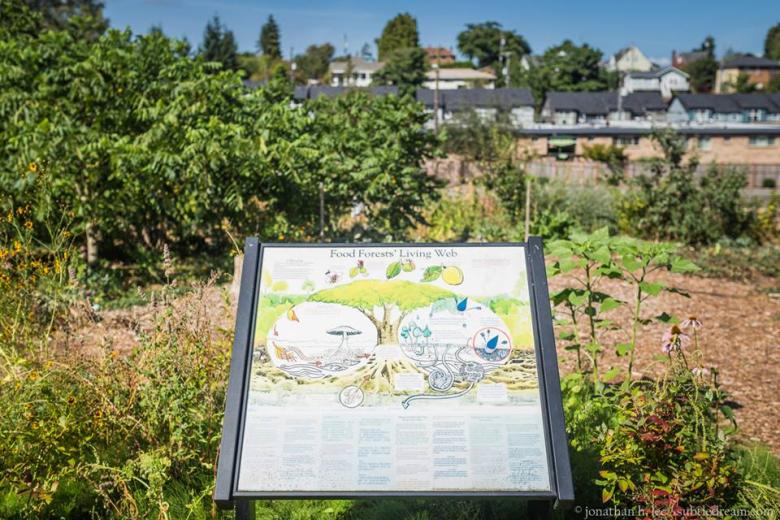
point(629, 59)
point(354, 72)
point(668, 81)
point(455, 78)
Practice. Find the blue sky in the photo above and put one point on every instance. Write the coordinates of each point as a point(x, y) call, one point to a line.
point(656, 26)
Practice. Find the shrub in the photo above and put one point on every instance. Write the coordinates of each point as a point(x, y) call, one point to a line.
point(671, 204)
point(659, 443)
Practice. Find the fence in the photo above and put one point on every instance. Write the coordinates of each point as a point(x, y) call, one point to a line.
point(762, 179)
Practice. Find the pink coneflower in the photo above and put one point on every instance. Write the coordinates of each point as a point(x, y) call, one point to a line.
point(691, 323)
point(674, 339)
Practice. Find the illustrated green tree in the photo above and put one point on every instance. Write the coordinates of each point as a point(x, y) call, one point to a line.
point(313, 64)
point(565, 67)
point(482, 43)
point(219, 44)
point(270, 39)
point(399, 33)
point(404, 68)
point(772, 43)
point(385, 303)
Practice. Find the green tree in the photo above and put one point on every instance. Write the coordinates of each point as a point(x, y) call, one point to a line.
point(772, 43)
point(743, 85)
point(219, 44)
point(399, 33)
point(385, 303)
point(370, 152)
point(565, 67)
point(404, 68)
point(84, 18)
point(702, 74)
point(482, 43)
point(313, 64)
point(270, 39)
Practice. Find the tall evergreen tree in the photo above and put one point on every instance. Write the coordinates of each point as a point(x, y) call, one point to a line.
point(219, 44)
point(270, 39)
point(399, 33)
point(772, 43)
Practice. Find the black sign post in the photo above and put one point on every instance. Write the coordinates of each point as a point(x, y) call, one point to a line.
point(463, 372)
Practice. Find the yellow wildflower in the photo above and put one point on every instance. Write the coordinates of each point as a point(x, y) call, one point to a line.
point(33, 167)
point(28, 224)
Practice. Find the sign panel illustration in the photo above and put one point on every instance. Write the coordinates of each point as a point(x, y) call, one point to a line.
point(398, 368)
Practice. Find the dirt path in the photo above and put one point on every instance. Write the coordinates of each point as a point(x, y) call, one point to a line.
point(740, 336)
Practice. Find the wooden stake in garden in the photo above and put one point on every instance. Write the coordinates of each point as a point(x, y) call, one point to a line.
point(527, 206)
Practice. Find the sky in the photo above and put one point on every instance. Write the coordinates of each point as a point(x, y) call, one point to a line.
point(657, 27)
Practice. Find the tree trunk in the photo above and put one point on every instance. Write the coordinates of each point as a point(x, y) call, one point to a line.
point(92, 247)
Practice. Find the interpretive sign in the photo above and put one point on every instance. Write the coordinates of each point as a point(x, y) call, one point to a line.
point(404, 370)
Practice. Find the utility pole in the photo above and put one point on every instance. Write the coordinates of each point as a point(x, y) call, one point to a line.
point(505, 57)
point(436, 98)
point(293, 66)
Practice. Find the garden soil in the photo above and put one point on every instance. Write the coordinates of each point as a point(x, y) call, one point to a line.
point(740, 334)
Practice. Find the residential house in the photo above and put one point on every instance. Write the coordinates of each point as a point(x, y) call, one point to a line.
point(439, 55)
point(756, 107)
point(629, 59)
point(668, 81)
point(571, 108)
point(353, 72)
point(489, 104)
point(683, 59)
point(759, 72)
point(455, 78)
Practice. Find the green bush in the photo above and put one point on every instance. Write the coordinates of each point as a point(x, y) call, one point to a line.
point(659, 443)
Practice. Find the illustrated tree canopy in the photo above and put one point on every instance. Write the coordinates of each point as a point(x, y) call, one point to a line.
point(482, 43)
point(219, 44)
point(399, 33)
point(270, 39)
point(393, 300)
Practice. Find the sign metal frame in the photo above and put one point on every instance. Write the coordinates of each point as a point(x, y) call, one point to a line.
point(226, 493)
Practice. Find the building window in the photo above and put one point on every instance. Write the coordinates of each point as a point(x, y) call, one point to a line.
point(630, 140)
point(704, 143)
point(761, 141)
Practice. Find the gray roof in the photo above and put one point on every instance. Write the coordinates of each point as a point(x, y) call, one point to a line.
point(604, 102)
point(460, 99)
point(719, 103)
point(731, 103)
point(315, 91)
point(748, 61)
point(657, 73)
point(554, 130)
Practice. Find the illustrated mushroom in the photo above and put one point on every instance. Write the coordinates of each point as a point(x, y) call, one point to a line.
point(344, 331)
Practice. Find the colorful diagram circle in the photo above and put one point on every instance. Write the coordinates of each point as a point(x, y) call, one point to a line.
point(492, 344)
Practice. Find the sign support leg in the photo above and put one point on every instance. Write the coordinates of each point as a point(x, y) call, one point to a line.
point(539, 510)
point(245, 510)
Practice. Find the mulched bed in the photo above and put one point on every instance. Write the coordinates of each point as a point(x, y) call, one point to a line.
point(740, 336)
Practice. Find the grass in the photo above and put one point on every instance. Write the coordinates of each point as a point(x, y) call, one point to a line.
point(737, 261)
